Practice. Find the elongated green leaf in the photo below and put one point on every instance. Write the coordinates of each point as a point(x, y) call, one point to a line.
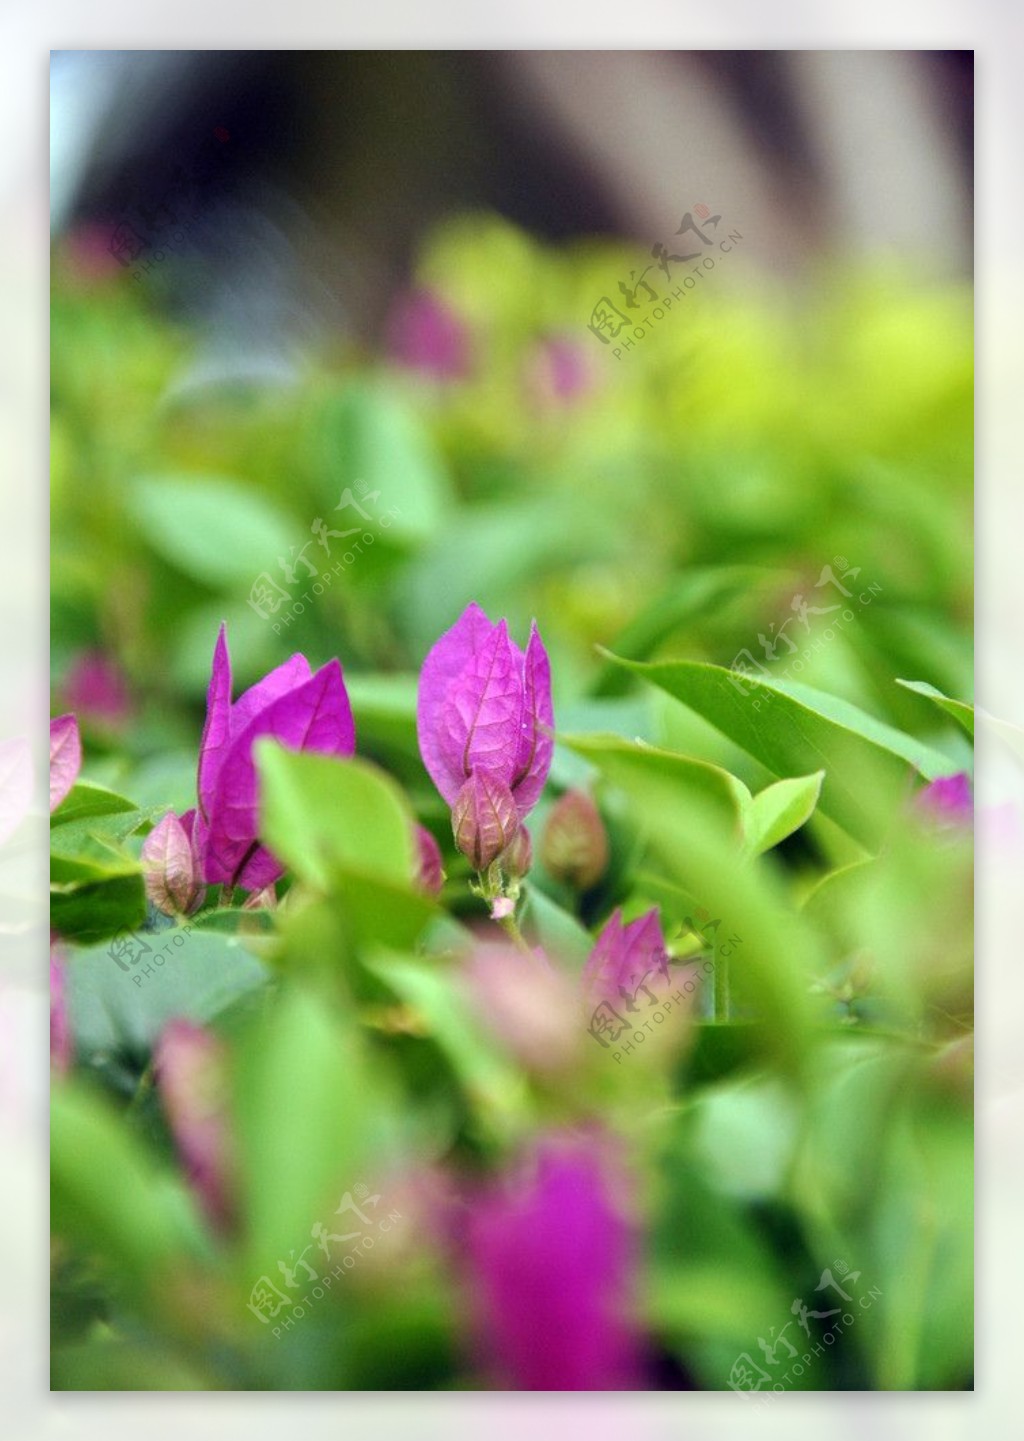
point(791, 728)
point(86, 800)
point(779, 810)
point(961, 712)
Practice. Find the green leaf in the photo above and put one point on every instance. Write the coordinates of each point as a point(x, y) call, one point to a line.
point(86, 800)
point(216, 530)
point(369, 440)
point(179, 971)
point(791, 728)
point(96, 892)
point(306, 1111)
point(324, 814)
point(495, 1086)
point(779, 810)
point(110, 1196)
point(960, 710)
point(682, 776)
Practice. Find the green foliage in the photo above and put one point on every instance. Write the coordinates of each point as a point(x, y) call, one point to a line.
point(813, 1104)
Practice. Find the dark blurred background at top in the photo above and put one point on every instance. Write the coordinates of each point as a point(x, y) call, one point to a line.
point(319, 173)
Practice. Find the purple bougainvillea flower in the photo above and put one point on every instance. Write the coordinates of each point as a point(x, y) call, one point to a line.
point(61, 1045)
point(949, 799)
point(172, 878)
point(485, 707)
point(551, 1261)
point(622, 957)
point(190, 1067)
point(424, 334)
point(304, 712)
point(96, 689)
point(65, 757)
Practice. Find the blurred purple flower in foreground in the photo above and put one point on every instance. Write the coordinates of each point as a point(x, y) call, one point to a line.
point(190, 1068)
point(95, 688)
point(424, 334)
point(304, 712)
point(65, 758)
point(623, 957)
point(948, 799)
point(485, 724)
point(551, 1261)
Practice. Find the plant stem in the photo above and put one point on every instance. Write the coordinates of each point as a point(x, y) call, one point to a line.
point(509, 925)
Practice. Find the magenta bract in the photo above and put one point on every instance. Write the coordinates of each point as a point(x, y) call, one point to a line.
point(484, 705)
point(623, 956)
point(551, 1263)
point(304, 712)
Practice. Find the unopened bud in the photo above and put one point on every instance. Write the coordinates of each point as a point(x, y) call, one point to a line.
point(430, 873)
point(171, 876)
point(484, 819)
point(574, 847)
point(518, 859)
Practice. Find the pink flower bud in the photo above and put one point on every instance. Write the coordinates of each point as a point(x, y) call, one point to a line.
point(171, 874)
point(518, 859)
point(574, 848)
point(430, 874)
point(484, 819)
